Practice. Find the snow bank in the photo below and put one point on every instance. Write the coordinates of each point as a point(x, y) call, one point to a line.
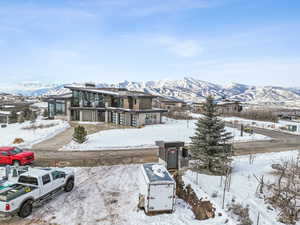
point(108, 195)
point(243, 184)
point(172, 130)
point(30, 136)
point(265, 124)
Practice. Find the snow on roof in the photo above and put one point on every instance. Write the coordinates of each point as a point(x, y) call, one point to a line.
point(37, 172)
point(95, 90)
point(4, 112)
point(156, 172)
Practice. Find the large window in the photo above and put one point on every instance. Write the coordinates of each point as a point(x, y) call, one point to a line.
point(60, 108)
point(88, 98)
point(51, 109)
point(99, 98)
point(75, 98)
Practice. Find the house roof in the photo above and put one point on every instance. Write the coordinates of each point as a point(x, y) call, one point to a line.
point(111, 91)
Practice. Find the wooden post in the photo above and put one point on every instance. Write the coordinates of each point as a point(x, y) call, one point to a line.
point(242, 130)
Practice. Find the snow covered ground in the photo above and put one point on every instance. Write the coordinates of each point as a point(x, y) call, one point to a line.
point(264, 124)
point(243, 184)
point(172, 130)
point(31, 136)
point(109, 195)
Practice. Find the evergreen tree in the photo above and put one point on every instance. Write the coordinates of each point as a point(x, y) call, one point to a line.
point(210, 145)
point(80, 134)
point(13, 118)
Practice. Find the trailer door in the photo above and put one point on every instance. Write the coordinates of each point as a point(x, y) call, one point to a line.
point(161, 197)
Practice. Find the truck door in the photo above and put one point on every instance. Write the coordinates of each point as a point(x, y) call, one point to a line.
point(161, 197)
point(58, 179)
point(47, 184)
point(4, 158)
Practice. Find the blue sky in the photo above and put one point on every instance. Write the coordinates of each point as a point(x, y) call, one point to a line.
point(222, 41)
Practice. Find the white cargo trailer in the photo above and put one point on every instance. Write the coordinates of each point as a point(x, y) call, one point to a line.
point(157, 189)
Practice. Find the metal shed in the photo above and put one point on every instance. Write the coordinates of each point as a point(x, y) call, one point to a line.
point(173, 155)
point(157, 189)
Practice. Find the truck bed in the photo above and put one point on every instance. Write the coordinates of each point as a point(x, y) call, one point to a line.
point(14, 191)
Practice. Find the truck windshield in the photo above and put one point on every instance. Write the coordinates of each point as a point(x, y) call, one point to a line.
point(15, 151)
point(28, 180)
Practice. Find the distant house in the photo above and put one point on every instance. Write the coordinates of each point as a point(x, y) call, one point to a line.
point(9, 106)
point(4, 116)
point(110, 105)
point(223, 107)
point(228, 107)
point(168, 103)
point(197, 107)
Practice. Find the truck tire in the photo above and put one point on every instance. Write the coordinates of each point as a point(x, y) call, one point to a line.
point(69, 185)
point(16, 163)
point(25, 209)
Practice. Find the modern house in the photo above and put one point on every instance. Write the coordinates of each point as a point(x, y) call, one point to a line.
point(4, 117)
point(110, 105)
point(170, 104)
point(223, 107)
point(228, 107)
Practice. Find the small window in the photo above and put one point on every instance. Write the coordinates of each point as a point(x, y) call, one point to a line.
point(57, 175)
point(46, 179)
point(135, 101)
point(28, 180)
point(4, 153)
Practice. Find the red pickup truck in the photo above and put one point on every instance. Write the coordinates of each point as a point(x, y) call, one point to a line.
point(15, 156)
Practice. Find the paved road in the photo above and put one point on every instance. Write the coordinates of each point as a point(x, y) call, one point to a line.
point(281, 141)
point(49, 156)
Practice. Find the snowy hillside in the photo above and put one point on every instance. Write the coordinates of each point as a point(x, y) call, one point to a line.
point(188, 89)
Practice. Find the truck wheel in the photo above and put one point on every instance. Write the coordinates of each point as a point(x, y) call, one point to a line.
point(25, 209)
point(16, 163)
point(69, 185)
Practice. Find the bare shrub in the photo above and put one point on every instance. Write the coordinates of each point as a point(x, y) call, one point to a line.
point(40, 126)
point(285, 191)
point(261, 115)
point(241, 212)
point(178, 114)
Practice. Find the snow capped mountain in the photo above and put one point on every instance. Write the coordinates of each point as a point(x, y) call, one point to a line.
point(188, 89)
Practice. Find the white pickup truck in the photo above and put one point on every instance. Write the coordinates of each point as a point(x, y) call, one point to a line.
point(34, 187)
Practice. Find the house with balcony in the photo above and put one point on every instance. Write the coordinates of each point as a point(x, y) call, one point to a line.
point(110, 105)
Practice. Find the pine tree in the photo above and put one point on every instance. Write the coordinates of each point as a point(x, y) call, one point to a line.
point(210, 145)
point(80, 134)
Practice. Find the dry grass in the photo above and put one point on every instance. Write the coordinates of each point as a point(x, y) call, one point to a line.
point(40, 126)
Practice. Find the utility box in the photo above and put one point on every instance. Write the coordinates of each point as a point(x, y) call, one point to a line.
point(157, 189)
point(173, 155)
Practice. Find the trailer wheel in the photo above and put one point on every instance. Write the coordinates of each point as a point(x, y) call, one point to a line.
point(25, 209)
point(69, 185)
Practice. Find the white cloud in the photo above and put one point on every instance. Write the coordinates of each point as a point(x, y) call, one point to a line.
point(182, 48)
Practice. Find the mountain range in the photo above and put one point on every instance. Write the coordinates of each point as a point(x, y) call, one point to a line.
point(188, 89)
